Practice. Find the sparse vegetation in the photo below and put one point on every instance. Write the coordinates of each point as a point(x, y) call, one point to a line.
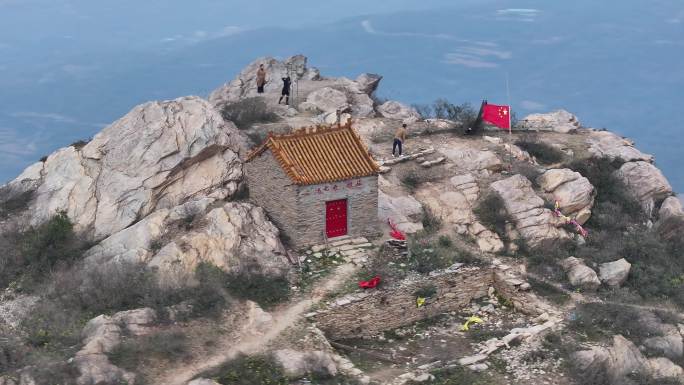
point(427, 254)
point(431, 222)
point(249, 370)
point(458, 375)
point(247, 112)
point(15, 204)
point(79, 144)
point(443, 109)
point(492, 213)
point(543, 152)
point(249, 282)
point(411, 180)
point(425, 291)
point(165, 345)
point(596, 321)
point(32, 255)
point(548, 291)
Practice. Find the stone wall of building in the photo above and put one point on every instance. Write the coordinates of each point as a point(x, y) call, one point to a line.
point(270, 188)
point(376, 311)
point(362, 209)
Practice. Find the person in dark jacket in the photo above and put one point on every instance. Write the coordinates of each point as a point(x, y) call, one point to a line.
point(286, 90)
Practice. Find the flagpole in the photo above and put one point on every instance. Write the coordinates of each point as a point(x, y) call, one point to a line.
point(510, 126)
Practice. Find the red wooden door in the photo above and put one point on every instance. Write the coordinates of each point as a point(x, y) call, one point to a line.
point(336, 218)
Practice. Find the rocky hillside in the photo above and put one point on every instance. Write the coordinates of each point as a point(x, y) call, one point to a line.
point(138, 258)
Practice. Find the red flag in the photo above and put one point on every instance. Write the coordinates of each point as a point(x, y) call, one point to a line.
point(497, 115)
point(395, 233)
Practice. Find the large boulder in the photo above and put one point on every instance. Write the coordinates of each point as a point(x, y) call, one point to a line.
point(617, 361)
point(326, 99)
point(614, 273)
point(646, 183)
point(227, 235)
point(101, 335)
point(557, 121)
point(670, 222)
point(368, 83)
point(535, 223)
point(404, 211)
point(579, 274)
point(609, 145)
point(395, 110)
point(244, 85)
point(671, 207)
point(157, 156)
point(469, 159)
point(573, 192)
point(669, 345)
point(298, 364)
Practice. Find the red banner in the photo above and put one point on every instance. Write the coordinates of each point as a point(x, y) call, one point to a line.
point(497, 115)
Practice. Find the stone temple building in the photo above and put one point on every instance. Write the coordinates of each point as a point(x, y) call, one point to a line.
point(316, 184)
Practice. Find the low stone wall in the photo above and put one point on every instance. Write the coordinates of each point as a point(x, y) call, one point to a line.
point(373, 312)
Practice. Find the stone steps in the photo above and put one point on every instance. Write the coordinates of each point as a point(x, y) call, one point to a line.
point(355, 250)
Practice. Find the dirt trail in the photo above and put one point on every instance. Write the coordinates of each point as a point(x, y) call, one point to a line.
point(254, 340)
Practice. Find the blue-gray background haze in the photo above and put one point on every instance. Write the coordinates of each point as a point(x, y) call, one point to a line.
point(70, 67)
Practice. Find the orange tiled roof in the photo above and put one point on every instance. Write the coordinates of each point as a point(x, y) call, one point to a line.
point(320, 154)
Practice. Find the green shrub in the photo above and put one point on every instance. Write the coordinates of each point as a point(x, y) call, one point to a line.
point(603, 320)
point(79, 144)
point(248, 112)
point(548, 291)
point(458, 376)
point(165, 345)
point(491, 211)
point(15, 204)
point(250, 370)
point(445, 241)
point(249, 282)
point(411, 180)
point(543, 152)
point(209, 297)
point(431, 222)
point(615, 207)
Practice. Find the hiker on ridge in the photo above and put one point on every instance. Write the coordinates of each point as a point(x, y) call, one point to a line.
point(286, 90)
point(399, 139)
point(260, 79)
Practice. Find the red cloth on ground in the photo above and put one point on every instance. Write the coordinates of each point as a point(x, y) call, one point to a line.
point(395, 233)
point(371, 283)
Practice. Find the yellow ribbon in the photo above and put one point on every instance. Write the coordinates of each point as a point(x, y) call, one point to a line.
point(470, 320)
point(420, 301)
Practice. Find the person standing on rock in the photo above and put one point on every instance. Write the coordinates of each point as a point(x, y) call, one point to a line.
point(399, 139)
point(260, 79)
point(286, 90)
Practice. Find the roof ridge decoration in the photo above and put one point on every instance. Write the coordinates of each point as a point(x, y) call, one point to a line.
point(320, 154)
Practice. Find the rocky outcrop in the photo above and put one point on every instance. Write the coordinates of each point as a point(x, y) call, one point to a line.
point(157, 156)
point(404, 211)
point(453, 204)
point(670, 222)
point(298, 364)
point(669, 345)
point(646, 183)
point(573, 192)
point(557, 121)
point(244, 85)
point(398, 111)
point(368, 83)
point(614, 273)
point(203, 381)
point(609, 145)
point(469, 159)
point(535, 223)
point(579, 274)
point(226, 236)
point(102, 335)
point(622, 359)
point(326, 99)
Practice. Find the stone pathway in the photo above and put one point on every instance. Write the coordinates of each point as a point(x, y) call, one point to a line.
point(420, 157)
point(354, 250)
